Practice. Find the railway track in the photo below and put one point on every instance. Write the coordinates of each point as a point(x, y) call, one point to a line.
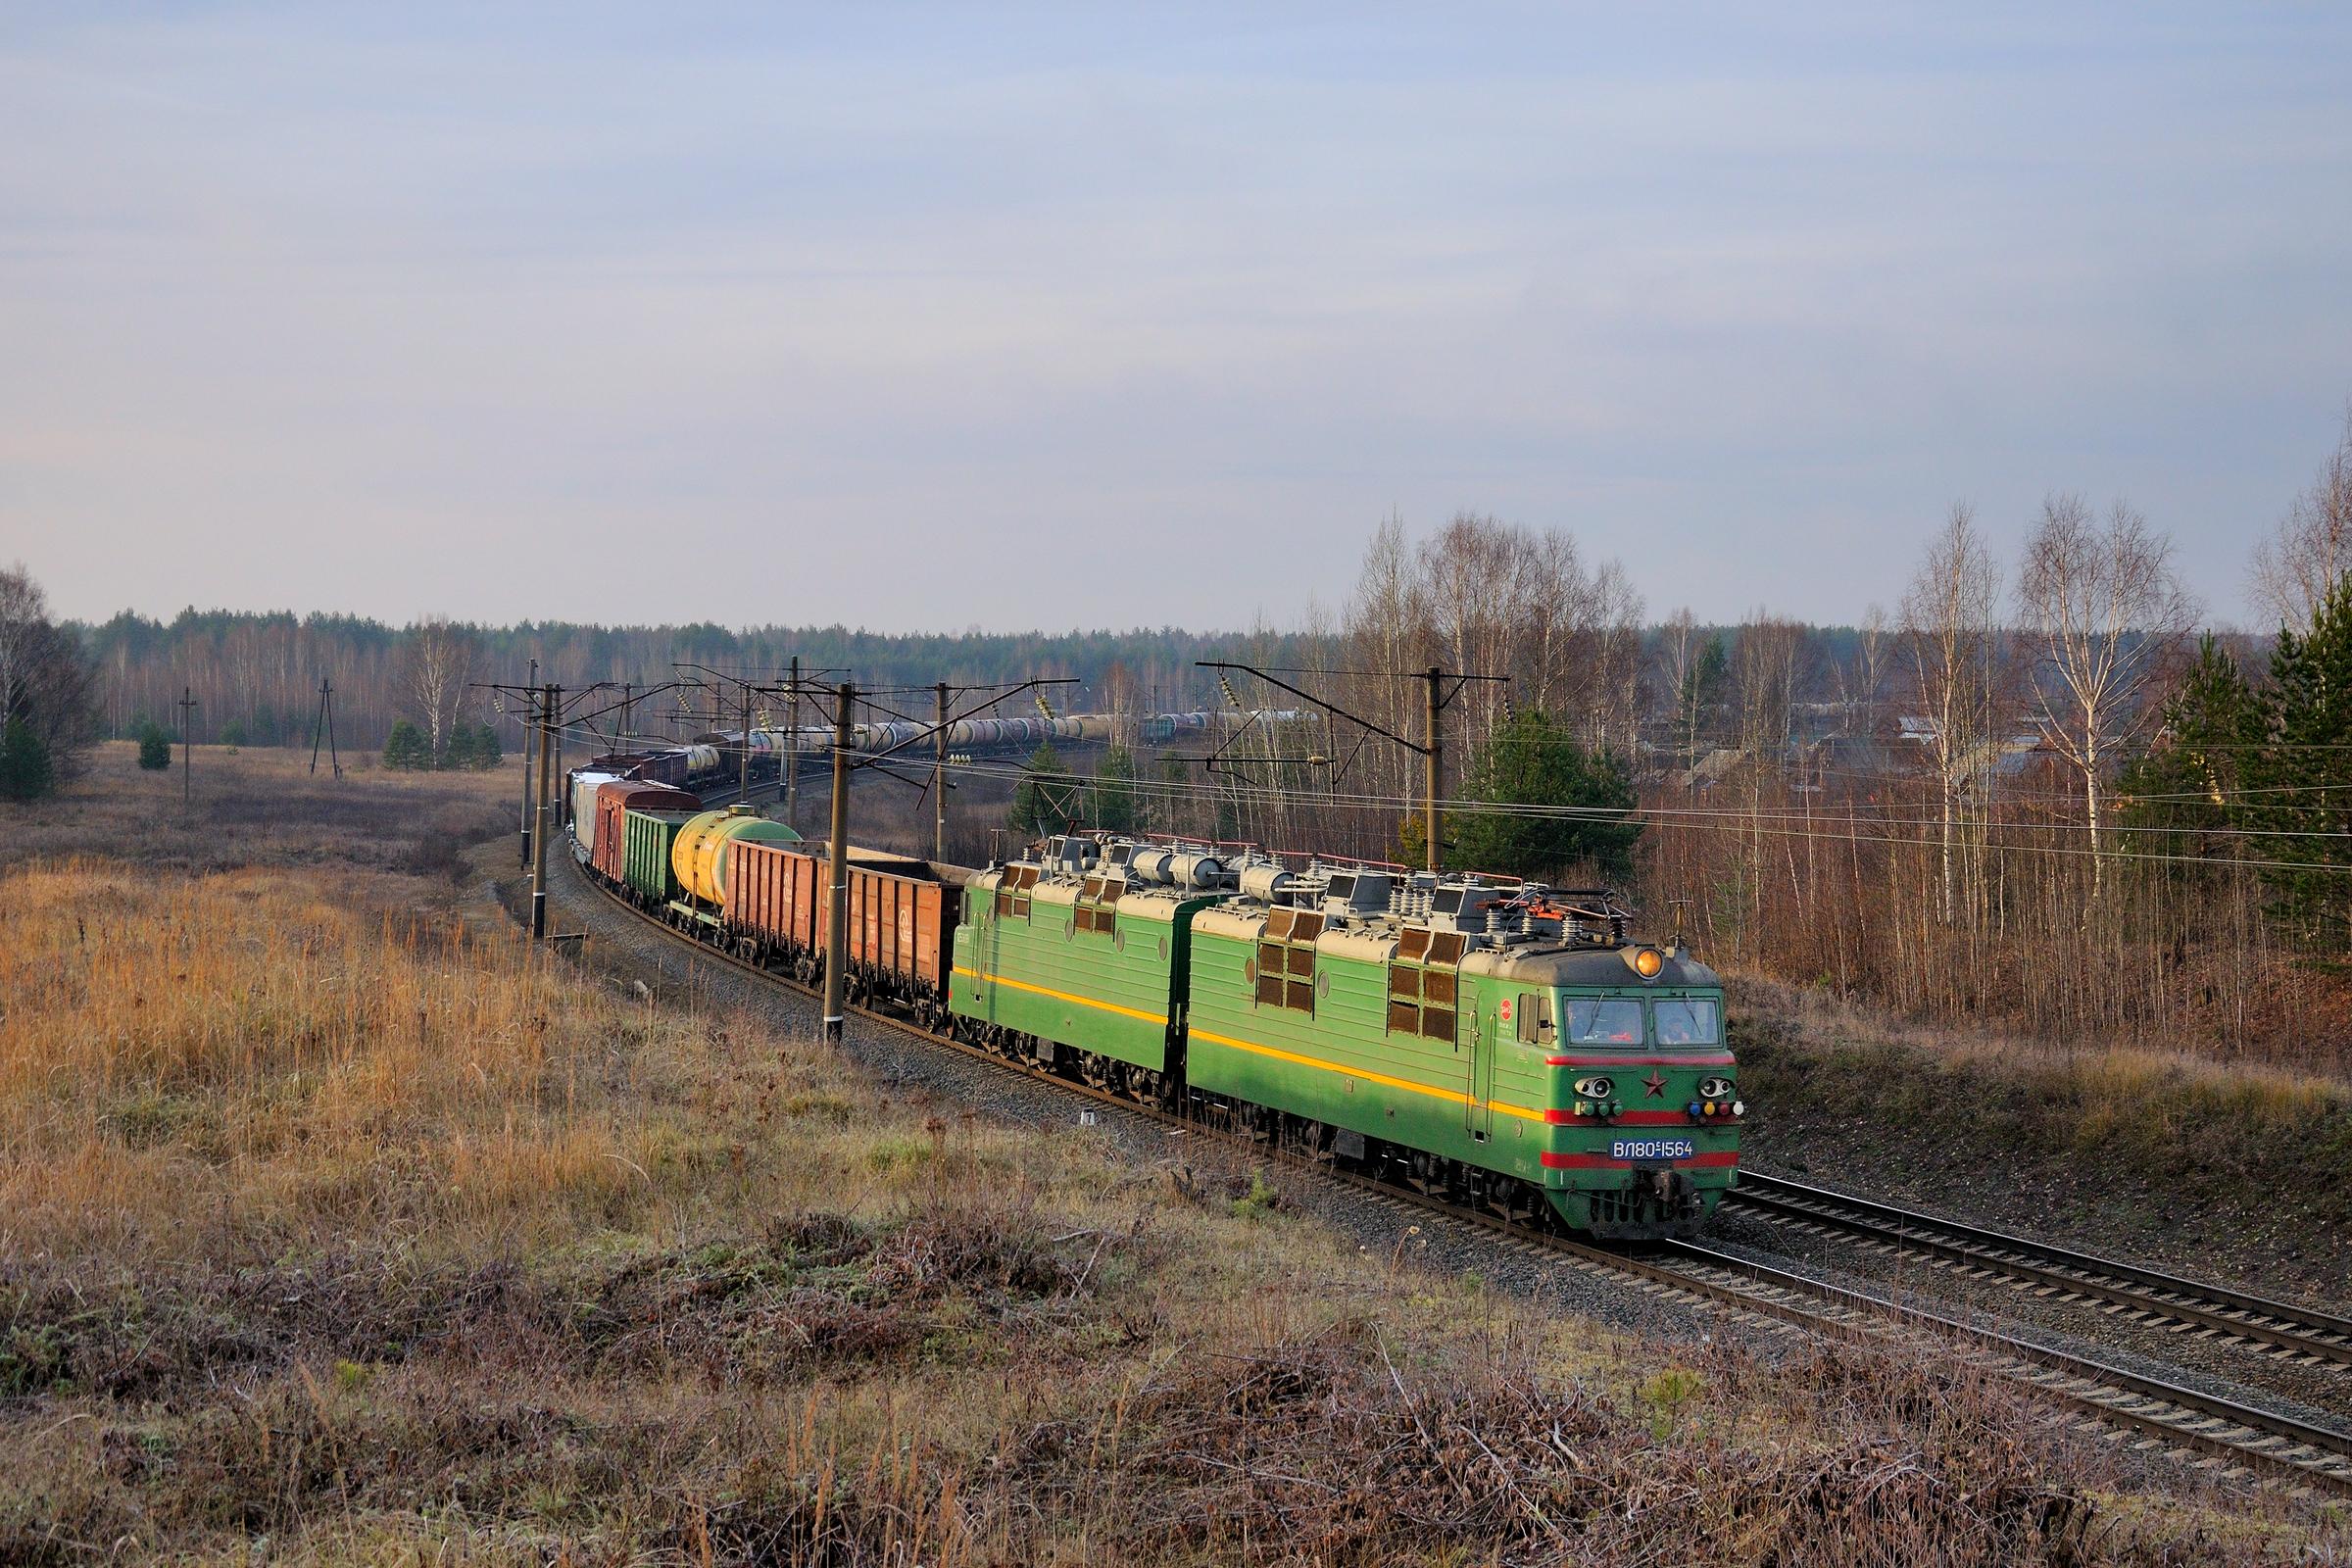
point(2286, 1332)
point(2231, 1439)
point(2149, 1413)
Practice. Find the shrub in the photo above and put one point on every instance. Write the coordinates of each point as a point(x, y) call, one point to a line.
point(405, 748)
point(155, 747)
point(25, 773)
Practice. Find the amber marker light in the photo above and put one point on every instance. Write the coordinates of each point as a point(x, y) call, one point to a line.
point(1647, 962)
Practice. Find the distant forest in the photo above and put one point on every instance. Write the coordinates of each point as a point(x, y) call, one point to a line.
point(258, 675)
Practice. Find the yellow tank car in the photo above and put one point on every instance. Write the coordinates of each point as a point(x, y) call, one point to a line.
point(700, 853)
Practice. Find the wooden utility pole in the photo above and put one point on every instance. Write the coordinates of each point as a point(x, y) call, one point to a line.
point(553, 785)
point(187, 745)
point(837, 923)
point(326, 722)
point(939, 778)
point(527, 742)
point(743, 786)
point(549, 699)
point(791, 751)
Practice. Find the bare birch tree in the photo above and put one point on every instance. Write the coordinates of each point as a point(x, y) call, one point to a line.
point(1947, 620)
point(2310, 550)
point(436, 665)
point(2105, 613)
point(1868, 672)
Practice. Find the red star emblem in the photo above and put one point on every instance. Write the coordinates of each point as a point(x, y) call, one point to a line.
point(1655, 1082)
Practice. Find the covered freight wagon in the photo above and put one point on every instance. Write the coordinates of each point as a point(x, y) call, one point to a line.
point(647, 839)
point(585, 782)
point(607, 843)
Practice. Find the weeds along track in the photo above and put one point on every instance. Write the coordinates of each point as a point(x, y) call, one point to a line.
point(2301, 1335)
point(2233, 1440)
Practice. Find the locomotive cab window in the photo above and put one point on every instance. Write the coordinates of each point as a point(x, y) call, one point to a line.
point(1604, 1020)
point(1688, 1021)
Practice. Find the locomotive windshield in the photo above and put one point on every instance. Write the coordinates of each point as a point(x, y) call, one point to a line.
point(1604, 1020)
point(1618, 1020)
point(1688, 1021)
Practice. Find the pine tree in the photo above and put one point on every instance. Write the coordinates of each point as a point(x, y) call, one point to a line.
point(2300, 783)
point(25, 773)
point(1701, 695)
point(155, 747)
point(1046, 800)
point(2183, 796)
point(487, 755)
point(1531, 761)
point(1116, 807)
point(405, 748)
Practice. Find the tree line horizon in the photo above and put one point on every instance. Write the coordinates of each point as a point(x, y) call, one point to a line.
point(2027, 793)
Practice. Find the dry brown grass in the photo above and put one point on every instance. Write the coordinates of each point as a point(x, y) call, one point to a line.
point(332, 1234)
point(260, 805)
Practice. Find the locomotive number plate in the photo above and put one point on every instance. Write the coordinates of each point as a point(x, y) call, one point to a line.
point(1651, 1149)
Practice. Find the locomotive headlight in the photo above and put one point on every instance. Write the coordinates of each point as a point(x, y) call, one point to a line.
point(1715, 1088)
point(1647, 962)
point(1595, 1088)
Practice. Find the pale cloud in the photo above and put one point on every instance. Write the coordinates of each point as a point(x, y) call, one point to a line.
point(388, 310)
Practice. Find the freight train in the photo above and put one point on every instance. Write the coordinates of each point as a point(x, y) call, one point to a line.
point(1501, 1042)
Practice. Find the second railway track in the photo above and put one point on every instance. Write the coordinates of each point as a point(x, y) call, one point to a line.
point(2220, 1434)
point(2286, 1331)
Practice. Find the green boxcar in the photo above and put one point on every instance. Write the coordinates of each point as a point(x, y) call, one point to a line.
point(1087, 962)
point(645, 863)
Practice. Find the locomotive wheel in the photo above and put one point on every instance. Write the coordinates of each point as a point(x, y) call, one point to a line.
point(1422, 1174)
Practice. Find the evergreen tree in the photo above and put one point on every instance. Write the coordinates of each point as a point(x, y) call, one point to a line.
point(487, 755)
point(1695, 705)
point(457, 754)
point(25, 773)
point(1116, 807)
point(1531, 761)
point(155, 747)
point(405, 748)
point(1046, 799)
point(232, 734)
point(2185, 793)
point(2300, 783)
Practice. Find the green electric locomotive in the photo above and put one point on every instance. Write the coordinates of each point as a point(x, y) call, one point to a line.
point(1503, 1043)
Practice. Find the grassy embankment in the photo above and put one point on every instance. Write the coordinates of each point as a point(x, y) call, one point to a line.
point(2242, 1167)
point(333, 1232)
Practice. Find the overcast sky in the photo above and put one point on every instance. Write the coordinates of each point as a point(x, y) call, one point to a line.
point(927, 317)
